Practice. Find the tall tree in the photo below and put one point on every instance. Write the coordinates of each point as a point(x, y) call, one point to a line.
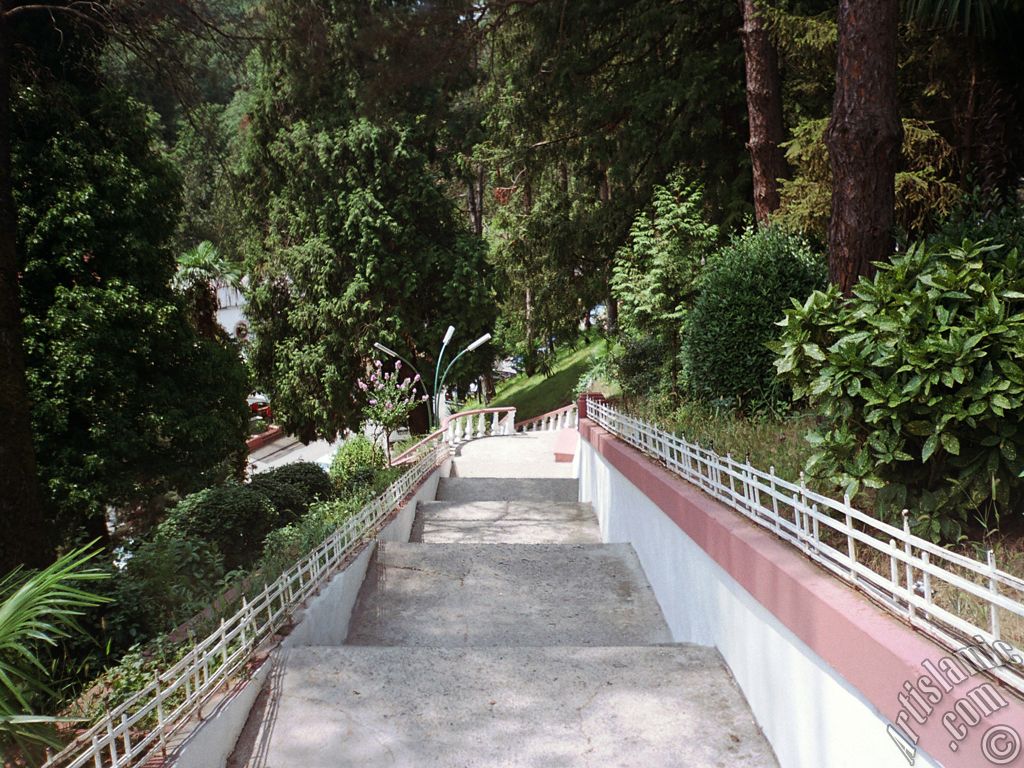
point(591, 106)
point(764, 111)
point(343, 160)
point(97, 354)
point(863, 138)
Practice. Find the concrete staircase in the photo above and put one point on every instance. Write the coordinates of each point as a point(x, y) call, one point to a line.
point(506, 634)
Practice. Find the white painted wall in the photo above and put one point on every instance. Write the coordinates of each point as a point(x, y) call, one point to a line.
point(212, 743)
point(811, 716)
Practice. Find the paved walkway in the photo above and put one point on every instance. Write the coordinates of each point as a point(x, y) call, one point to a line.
point(506, 634)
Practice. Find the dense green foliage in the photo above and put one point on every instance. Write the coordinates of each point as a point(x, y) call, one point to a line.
point(919, 381)
point(655, 272)
point(128, 402)
point(356, 464)
point(742, 293)
point(235, 518)
point(353, 237)
point(587, 107)
point(168, 579)
point(311, 480)
point(289, 500)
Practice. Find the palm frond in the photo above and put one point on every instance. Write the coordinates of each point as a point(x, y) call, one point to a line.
point(38, 608)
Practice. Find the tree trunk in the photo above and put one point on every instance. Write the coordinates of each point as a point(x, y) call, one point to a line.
point(475, 201)
point(863, 139)
point(764, 112)
point(530, 356)
point(488, 386)
point(21, 501)
point(612, 316)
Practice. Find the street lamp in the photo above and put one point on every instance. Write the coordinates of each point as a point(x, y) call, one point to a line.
point(478, 343)
point(392, 353)
point(444, 343)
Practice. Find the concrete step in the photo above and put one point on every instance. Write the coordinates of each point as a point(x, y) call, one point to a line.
point(526, 707)
point(507, 489)
point(463, 595)
point(504, 522)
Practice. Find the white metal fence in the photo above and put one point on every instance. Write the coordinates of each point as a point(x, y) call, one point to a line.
point(956, 599)
point(142, 726)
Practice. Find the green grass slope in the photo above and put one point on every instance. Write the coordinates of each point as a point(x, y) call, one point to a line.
point(534, 395)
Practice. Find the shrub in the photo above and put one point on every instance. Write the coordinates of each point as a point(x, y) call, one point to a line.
point(233, 517)
point(644, 366)
point(356, 464)
point(308, 478)
point(289, 502)
point(167, 580)
point(743, 292)
point(286, 545)
point(918, 378)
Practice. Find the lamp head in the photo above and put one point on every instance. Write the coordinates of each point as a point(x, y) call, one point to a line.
point(384, 349)
point(448, 335)
point(479, 342)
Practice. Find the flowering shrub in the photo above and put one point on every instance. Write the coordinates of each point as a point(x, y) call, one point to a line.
point(390, 400)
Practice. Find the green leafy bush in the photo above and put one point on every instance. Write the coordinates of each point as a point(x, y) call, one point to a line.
point(167, 580)
point(744, 290)
point(919, 382)
point(284, 546)
point(289, 502)
point(308, 478)
point(235, 518)
point(644, 366)
point(356, 464)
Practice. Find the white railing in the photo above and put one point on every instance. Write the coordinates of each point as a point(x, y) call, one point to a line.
point(932, 588)
point(137, 729)
point(561, 418)
point(460, 427)
point(482, 422)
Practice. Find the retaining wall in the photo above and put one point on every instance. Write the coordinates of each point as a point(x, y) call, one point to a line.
point(825, 671)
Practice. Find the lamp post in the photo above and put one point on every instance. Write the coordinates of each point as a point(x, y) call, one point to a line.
point(444, 343)
point(478, 343)
point(392, 353)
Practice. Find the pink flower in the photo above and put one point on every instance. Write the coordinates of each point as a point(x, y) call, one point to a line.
point(372, 401)
point(398, 365)
point(362, 385)
point(416, 377)
point(373, 378)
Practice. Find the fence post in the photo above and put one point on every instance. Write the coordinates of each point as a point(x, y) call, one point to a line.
point(851, 542)
point(909, 569)
point(994, 587)
point(894, 571)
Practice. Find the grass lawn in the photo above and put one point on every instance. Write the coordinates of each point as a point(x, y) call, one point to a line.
point(534, 395)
